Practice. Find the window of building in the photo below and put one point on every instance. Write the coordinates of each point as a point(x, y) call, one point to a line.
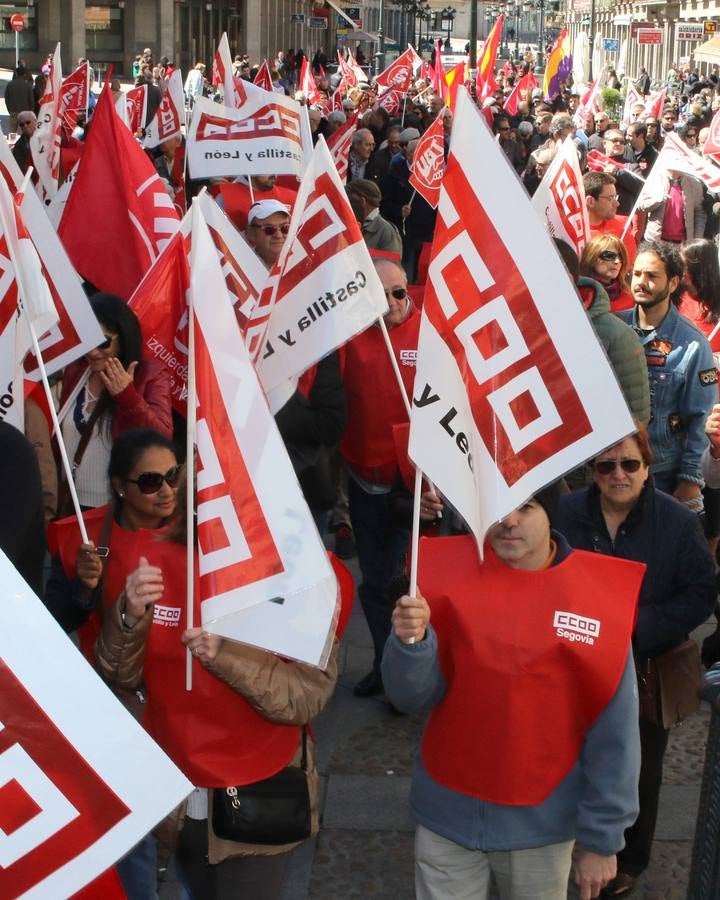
point(104, 26)
point(28, 37)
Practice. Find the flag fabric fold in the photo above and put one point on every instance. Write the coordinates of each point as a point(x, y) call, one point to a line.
point(428, 163)
point(560, 198)
point(263, 78)
point(306, 83)
point(339, 144)
point(398, 75)
point(169, 118)
point(45, 142)
point(485, 78)
point(526, 83)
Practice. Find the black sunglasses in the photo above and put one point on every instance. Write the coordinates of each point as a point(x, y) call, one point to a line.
point(270, 230)
point(151, 482)
point(397, 293)
point(606, 466)
point(609, 256)
point(107, 342)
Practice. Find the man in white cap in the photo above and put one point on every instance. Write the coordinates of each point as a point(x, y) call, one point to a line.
point(267, 228)
point(236, 197)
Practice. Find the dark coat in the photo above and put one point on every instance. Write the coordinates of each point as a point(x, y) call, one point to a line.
point(678, 590)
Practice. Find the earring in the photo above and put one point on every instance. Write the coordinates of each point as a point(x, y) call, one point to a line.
point(121, 493)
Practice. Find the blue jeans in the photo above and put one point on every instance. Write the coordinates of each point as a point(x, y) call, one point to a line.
point(138, 870)
point(381, 549)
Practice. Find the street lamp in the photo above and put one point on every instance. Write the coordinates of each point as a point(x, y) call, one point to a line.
point(447, 17)
point(540, 6)
point(380, 55)
point(514, 8)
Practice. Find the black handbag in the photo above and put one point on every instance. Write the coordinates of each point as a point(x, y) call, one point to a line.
point(273, 811)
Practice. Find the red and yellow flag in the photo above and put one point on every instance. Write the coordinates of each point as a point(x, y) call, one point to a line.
point(485, 78)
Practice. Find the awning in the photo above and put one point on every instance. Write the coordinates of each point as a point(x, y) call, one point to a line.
point(708, 52)
point(371, 36)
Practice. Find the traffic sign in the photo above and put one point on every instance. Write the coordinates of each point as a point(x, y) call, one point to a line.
point(17, 22)
point(649, 36)
point(689, 31)
point(297, 18)
point(611, 45)
point(317, 22)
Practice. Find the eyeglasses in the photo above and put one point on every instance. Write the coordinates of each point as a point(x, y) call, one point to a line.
point(503, 128)
point(609, 256)
point(616, 140)
point(397, 293)
point(606, 466)
point(107, 343)
point(270, 230)
point(151, 482)
point(611, 197)
point(691, 134)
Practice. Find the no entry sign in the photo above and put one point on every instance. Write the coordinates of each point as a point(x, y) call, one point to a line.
point(17, 22)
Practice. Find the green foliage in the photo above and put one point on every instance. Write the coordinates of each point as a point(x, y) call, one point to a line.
point(611, 102)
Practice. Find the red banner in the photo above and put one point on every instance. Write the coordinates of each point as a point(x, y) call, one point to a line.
point(428, 163)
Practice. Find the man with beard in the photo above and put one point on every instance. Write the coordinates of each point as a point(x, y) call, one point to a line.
point(681, 370)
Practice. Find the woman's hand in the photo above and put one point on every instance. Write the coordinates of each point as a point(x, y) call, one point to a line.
point(430, 506)
point(410, 618)
point(203, 646)
point(114, 376)
point(88, 566)
point(142, 587)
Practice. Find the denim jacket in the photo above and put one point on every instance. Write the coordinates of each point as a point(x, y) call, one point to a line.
point(683, 388)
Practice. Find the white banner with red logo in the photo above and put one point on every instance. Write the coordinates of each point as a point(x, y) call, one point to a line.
point(222, 74)
point(398, 75)
point(80, 780)
point(265, 578)
point(269, 135)
point(169, 119)
point(560, 198)
point(512, 388)
point(678, 157)
point(633, 97)
point(349, 75)
point(323, 289)
point(45, 142)
point(711, 147)
point(339, 144)
point(428, 163)
point(160, 301)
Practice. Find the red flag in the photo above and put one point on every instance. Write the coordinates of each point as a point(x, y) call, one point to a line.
point(349, 76)
point(337, 99)
point(117, 190)
point(391, 101)
point(74, 96)
point(398, 74)
point(428, 163)
point(358, 70)
point(485, 80)
point(437, 73)
point(263, 78)
point(136, 106)
point(597, 161)
point(339, 145)
point(306, 84)
point(453, 79)
point(425, 70)
point(526, 83)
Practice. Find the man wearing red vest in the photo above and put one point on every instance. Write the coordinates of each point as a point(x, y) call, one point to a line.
point(532, 747)
point(374, 404)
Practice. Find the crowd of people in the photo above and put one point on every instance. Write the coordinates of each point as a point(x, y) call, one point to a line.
point(519, 779)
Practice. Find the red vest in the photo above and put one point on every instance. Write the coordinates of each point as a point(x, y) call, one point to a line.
point(237, 200)
point(211, 733)
point(126, 548)
point(374, 402)
point(530, 659)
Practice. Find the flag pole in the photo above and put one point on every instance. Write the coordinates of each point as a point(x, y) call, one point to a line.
point(402, 120)
point(415, 536)
point(58, 433)
point(190, 483)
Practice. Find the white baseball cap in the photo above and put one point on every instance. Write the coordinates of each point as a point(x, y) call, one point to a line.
point(263, 209)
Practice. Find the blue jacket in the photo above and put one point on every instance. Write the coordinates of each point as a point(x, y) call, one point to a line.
point(593, 804)
point(678, 590)
point(683, 388)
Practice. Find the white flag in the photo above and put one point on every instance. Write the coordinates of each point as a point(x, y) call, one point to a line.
point(324, 288)
point(169, 119)
point(512, 388)
point(81, 781)
point(265, 578)
point(560, 198)
point(45, 141)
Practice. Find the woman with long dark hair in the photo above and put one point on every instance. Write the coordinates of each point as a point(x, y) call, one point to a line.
point(701, 300)
point(112, 389)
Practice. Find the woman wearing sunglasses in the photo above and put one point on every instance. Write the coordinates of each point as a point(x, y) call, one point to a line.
point(605, 260)
point(143, 474)
point(622, 514)
point(242, 723)
point(109, 391)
